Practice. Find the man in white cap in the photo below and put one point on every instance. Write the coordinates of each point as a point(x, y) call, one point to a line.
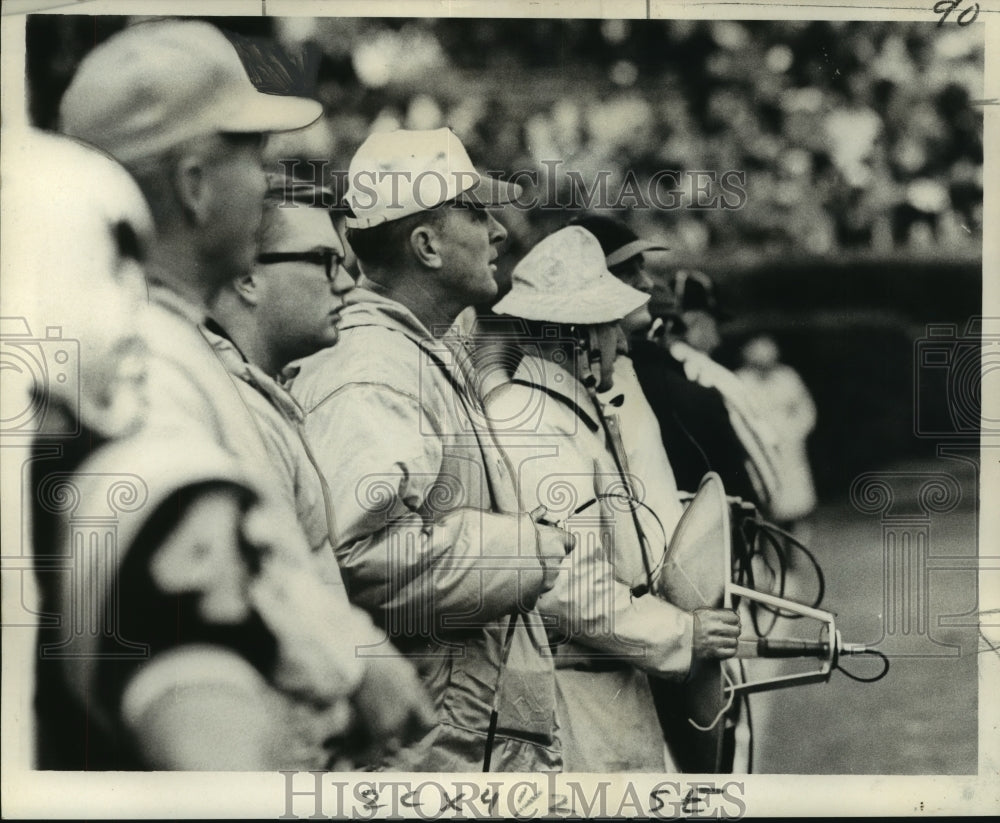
point(609, 631)
point(172, 101)
point(429, 531)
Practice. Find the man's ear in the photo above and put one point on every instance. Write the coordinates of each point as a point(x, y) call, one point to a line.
point(248, 288)
point(426, 245)
point(192, 188)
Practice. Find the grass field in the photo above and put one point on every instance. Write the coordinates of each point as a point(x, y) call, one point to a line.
point(922, 717)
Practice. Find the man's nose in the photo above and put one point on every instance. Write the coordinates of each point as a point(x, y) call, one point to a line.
point(342, 281)
point(645, 282)
point(497, 232)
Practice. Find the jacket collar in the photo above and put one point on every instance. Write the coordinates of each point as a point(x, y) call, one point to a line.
point(553, 379)
point(170, 300)
point(238, 366)
point(366, 305)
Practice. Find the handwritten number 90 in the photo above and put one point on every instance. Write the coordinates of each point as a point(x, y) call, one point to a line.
point(966, 16)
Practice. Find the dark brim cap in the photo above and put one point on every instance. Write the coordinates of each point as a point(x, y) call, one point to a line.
point(617, 240)
point(630, 250)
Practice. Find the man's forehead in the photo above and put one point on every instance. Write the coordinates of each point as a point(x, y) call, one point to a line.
point(464, 212)
point(300, 227)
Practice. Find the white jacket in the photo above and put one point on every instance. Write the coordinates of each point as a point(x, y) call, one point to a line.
point(606, 637)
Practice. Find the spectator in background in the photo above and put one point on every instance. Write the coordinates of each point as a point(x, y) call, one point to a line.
point(792, 414)
point(857, 137)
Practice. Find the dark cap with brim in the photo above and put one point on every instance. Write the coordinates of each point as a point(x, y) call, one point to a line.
point(630, 250)
point(617, 240)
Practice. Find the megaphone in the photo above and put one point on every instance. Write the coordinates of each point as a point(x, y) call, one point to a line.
point(697, 572)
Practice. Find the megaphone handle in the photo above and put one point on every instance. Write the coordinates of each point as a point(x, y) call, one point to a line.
point(767, 647)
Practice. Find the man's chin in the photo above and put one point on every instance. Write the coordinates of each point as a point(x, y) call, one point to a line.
point(328, 339)
point(488, 292)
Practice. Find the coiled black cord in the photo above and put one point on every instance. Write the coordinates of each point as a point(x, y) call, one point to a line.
point(637, 591)
point(876, 678)
point(755, 538)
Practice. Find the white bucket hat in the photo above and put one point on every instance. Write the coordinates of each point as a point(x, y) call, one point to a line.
point(398, 173)
point(564, 279)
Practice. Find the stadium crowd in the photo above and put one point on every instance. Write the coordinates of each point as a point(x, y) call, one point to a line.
point(854, 137)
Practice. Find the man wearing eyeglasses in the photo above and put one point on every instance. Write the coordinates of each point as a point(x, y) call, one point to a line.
point(286, 308)
point(217, 583)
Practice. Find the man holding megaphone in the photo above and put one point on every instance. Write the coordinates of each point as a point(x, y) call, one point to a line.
point(609, 631)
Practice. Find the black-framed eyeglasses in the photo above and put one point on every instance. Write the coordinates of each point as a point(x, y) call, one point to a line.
point(326, 258)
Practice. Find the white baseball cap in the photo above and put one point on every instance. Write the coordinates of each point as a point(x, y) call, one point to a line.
point(398, 173)
point(564, 279)
point(156, 84)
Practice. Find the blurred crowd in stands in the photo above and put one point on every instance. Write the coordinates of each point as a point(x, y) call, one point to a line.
point(854, 137)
